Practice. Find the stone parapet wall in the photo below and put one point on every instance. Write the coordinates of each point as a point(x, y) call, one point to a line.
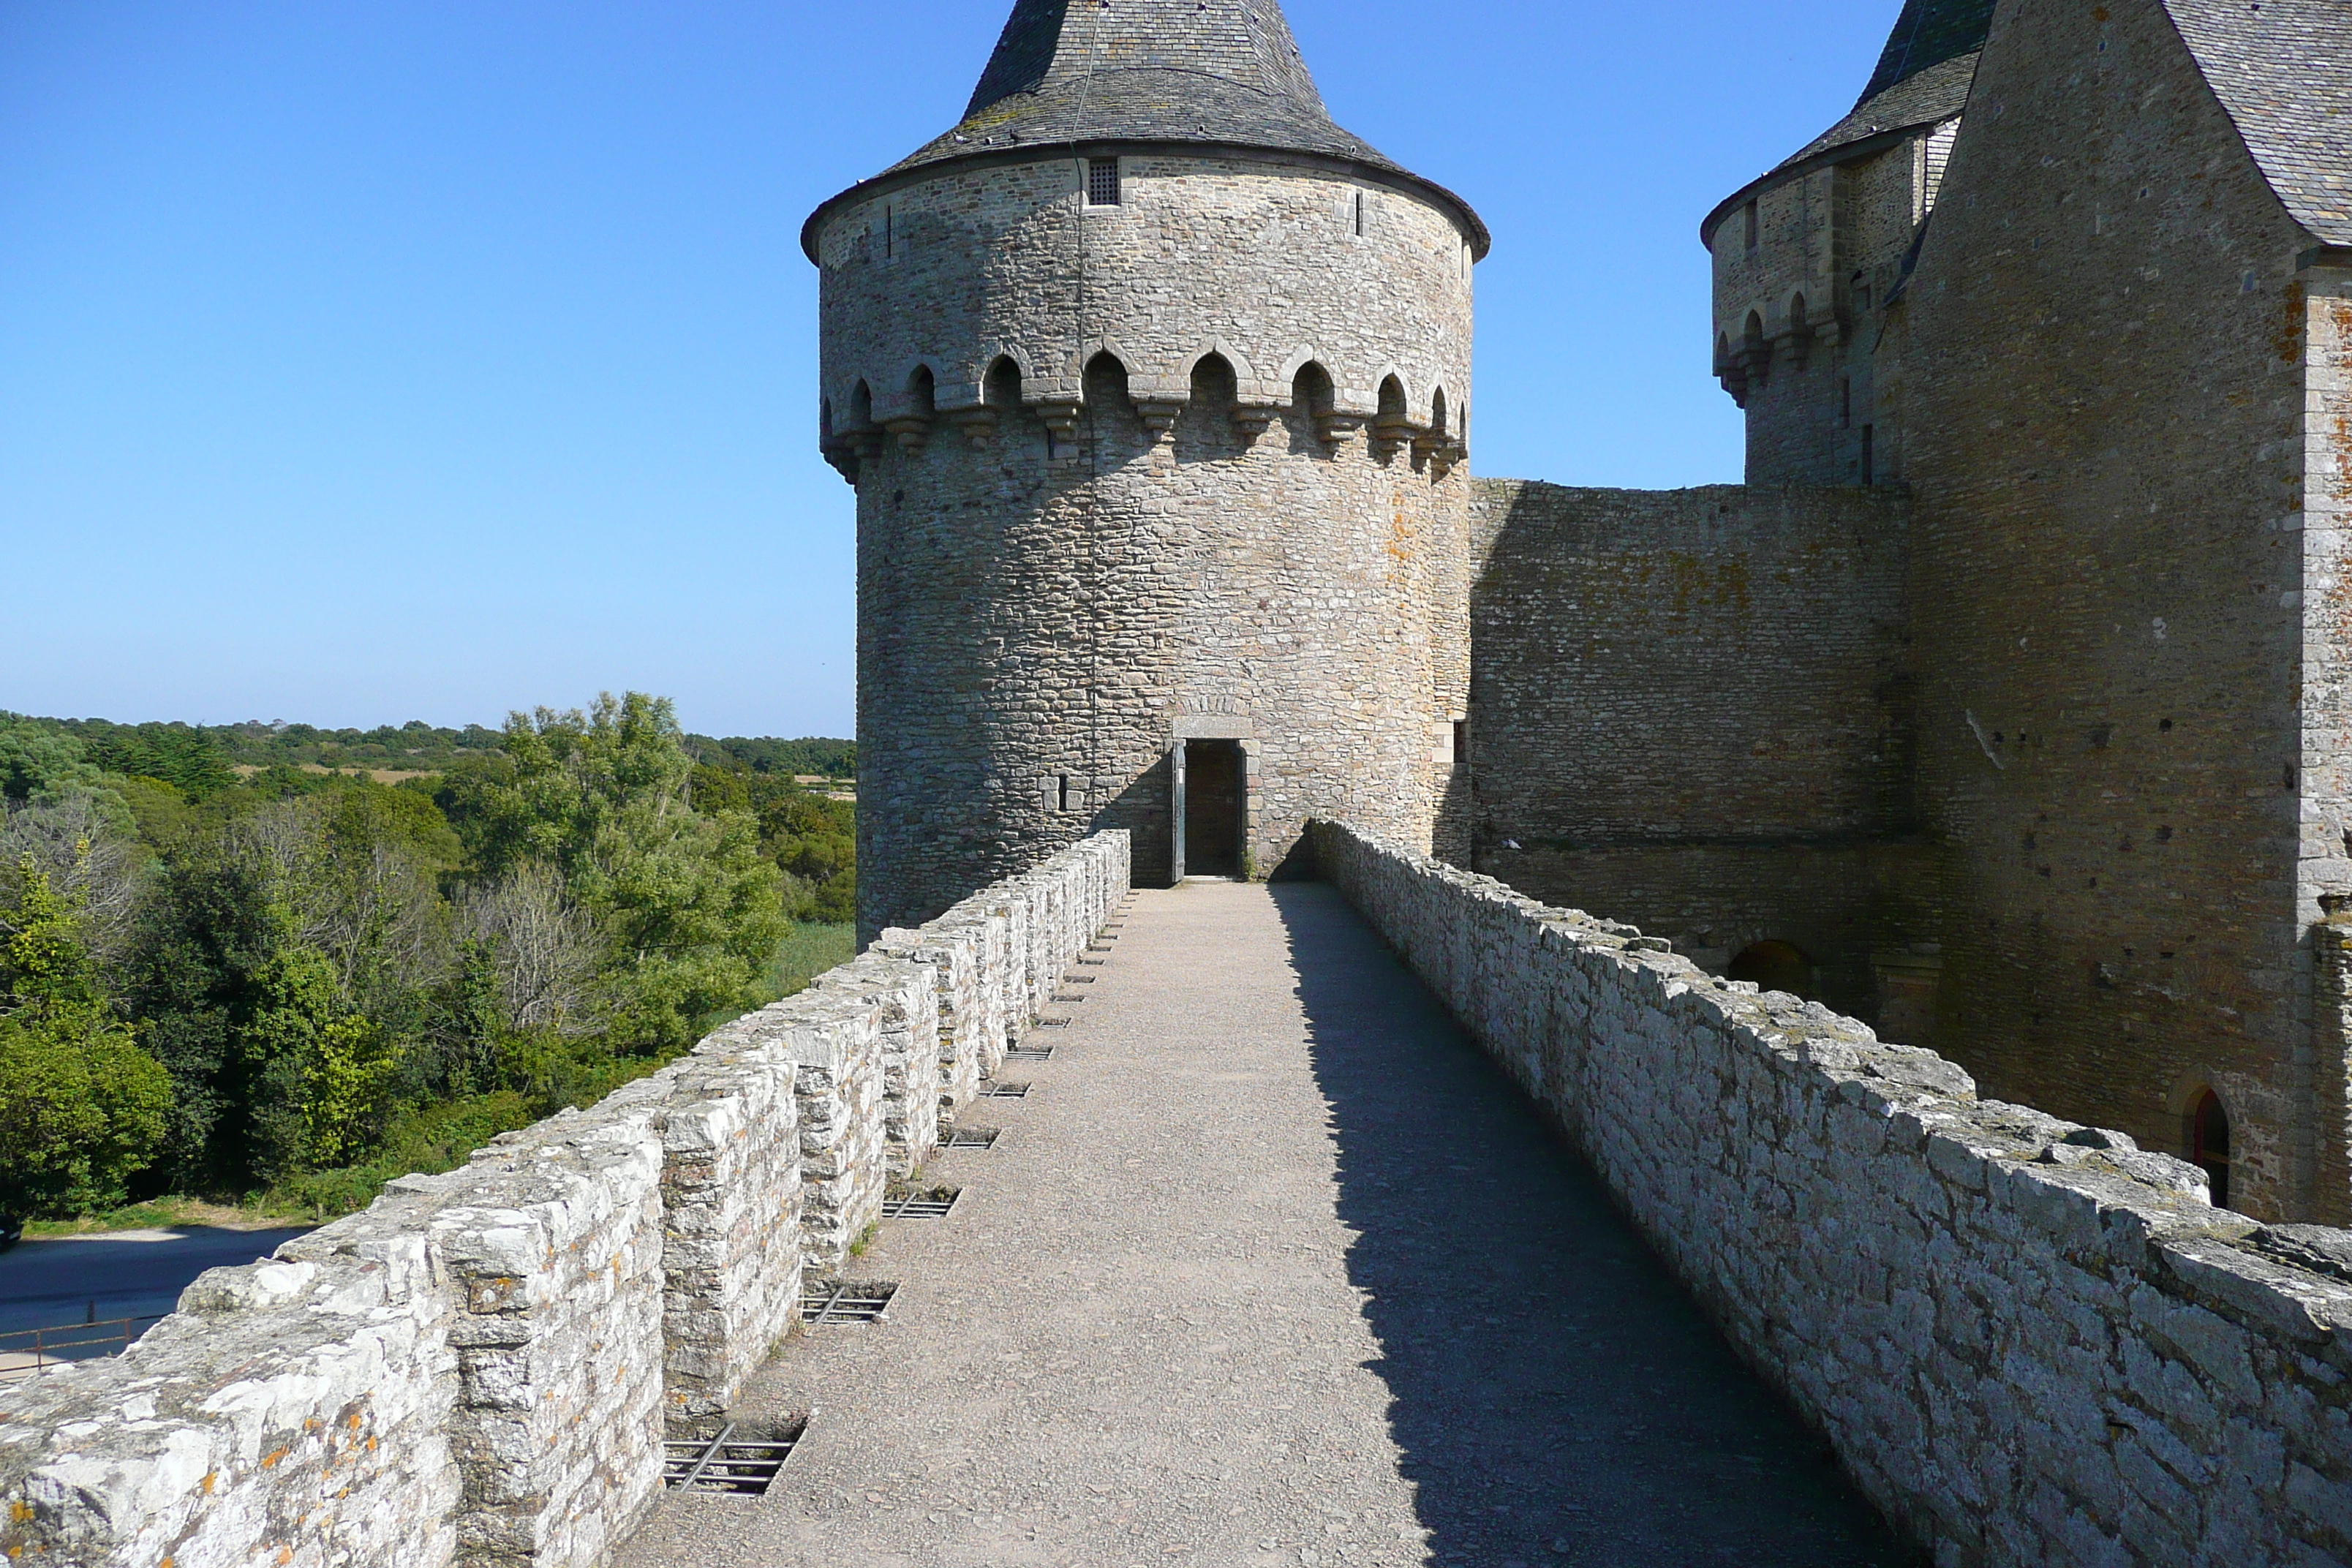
point(2031, 1342)
point(480, 1370)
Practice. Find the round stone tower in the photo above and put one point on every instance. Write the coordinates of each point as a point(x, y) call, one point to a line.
point(1154, 384)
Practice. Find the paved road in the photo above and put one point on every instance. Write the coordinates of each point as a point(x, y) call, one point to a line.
point(117, 1274)
point(1272, 1268)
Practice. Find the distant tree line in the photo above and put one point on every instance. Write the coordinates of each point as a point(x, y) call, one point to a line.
point(200, 758)
point(304, 983)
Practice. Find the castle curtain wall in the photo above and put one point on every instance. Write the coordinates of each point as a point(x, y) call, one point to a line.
point(2100, 353)
point(1687, 712)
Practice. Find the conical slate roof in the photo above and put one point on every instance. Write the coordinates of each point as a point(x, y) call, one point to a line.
point(1923, 78)
point(1156, 70)
point(1926, 35)
point(1215, 73)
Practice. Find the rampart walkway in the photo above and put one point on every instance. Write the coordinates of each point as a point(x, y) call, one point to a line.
point(1272, 1267)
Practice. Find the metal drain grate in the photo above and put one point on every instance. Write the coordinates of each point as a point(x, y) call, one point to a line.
point(730, 1465)
point(1051, 1023)
point(1032, 1053)
point(932, 1205)
point(1005, 1091)
point(969, 1138)
point(845, 1301)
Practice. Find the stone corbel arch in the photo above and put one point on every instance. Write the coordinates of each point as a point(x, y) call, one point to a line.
point(893, 395)
point(1071, 385)
point(1247, 386)
point(1369, 394)
point(972, 391)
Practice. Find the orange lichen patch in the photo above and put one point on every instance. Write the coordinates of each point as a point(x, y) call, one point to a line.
point(285, 1554)
point(272, 1457)
point(371, 1445)
point(2289, 342)
point(20, 1510)
point(205, 1486)
point(353, 1420)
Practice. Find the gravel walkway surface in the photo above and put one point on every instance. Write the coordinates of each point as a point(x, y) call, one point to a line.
point(1270, 1268)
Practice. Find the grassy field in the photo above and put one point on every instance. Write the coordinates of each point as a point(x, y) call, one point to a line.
point(809, 951)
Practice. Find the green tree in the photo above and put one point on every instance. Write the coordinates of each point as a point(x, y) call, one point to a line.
point(286, 972)
point(82, 1107)
point(687, 905)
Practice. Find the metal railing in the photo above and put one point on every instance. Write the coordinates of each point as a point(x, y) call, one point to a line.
point(29, 1352)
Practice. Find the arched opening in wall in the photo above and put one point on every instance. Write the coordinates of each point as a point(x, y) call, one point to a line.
point(861, 407)
point(1753, 336)
point(2208, 1142)
point(1208, 419)
point(1313, 392)
point(824, 420)
point(1001, 388)
point(922, 391)
point(1108, 409)
point(1394, 410)
point(1214, 384)
point(1775, 966)
point(1438, 413)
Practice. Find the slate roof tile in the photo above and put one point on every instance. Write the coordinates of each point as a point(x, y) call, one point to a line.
point(1222, 73)
point(2282, 70)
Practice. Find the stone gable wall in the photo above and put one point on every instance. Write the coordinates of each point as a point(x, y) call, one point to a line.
point(2032, 1343)
point(2108, 397)
point(480, 1369)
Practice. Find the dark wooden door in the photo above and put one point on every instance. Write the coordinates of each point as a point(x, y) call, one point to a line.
point(1212, 808)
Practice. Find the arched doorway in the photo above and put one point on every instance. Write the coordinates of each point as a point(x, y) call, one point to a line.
point(1774, 965)
point(2208, 1142)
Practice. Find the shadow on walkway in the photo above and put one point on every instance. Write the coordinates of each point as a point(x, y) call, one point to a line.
point(1556, 1394)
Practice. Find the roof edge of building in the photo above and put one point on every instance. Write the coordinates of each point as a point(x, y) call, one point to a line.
point(1482, 239)
point(1844, 151)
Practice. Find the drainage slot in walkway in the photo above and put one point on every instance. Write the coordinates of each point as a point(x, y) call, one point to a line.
point(1004, 1091)
point(932, 1203)
point(1035, 1053)
point(731, 1465)
point(969, 1138)
point(847, 1302)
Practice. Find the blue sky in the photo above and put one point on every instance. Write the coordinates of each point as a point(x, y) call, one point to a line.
point(370, 359)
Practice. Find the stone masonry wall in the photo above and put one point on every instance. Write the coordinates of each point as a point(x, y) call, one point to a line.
point(2030, 1342)
point(1133, 533)
point(1688, 707)
point(1797, 317)
point(480, 1370)
point(2108, 404)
